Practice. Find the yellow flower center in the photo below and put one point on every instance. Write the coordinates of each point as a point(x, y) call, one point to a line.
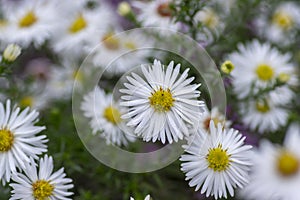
point(162, 100)
point(6, 140)
point(265, 72)
point(130, 45)
point(218, 159)
point(283, 20)
point(112, 115)
point(211, 20)
point(78, 76)
point(164, 10)
point(78, 24)
point(3, 23)
point(111, 42)
point(42, 190)
point(262, 106)
point(28, 20)
point(26, 101)
point(283, 77)
point(287, 164)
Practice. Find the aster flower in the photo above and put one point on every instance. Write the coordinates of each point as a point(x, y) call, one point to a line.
point(29, 22)
point(258, 66)
point(282, 26)
point(162, 106)
point(18, 139)
point(113, 47)
point(41, 183)
point(156, 13)
point(217, 162)
point(214, 115)
point(263, 115)
point(276, 170)
point(105, 116)
point(80, 28)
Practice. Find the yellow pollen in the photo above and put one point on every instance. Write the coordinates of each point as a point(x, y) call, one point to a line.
point(111, 42)
point(26, 101)
point(218, 159)
point(262, 106)
point(28, 20)
point(287, 164)
point(283, 20)
point(112, 115)
point(162, 100)
point(265, 72)
point(42, 190)
point(6, 140)
point(78, 24)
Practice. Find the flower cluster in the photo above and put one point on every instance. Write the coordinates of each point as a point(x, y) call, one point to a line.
point(240, 146)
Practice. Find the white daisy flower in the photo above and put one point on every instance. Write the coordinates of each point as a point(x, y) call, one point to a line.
point(106, 118)
point(214, 115)
point(61, 80)
point(148, 197)
point(258, 66)
point(282, 26)
point(217, 162)
point(156, 13)
point(41, 183)
point(18, 139)
point(79, 29)
point(276, 169)
point(32, 21)
point(212, 24)
point(162, 106)
point(114, 46)
point(263, 115)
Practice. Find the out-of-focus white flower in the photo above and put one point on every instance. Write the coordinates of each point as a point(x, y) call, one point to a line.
point(119, 53)
point(258, 66)
point(264, 115)
point(156, 13)
point(215, 116)
point(18, 139)
point(11, 52)
point(41, 183)
point(283, 24)
point(217, 162)
point(32, 21)
point(276, 169)
point(161, 106)
point(80, 28)
point(105, 117)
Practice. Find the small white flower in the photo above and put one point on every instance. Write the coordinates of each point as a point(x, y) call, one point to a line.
point(258, 66)
point(18, 139)
point(148, 197)
point(11, 52)
point(41, 183)
point(162, 106)
point(113, 47)
point(31, 21)
point(264, 115)
point(281, 27)
point(214, 115)
point(105, 117)
point(156, 13)
point(276, 169)
point(217, 162)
